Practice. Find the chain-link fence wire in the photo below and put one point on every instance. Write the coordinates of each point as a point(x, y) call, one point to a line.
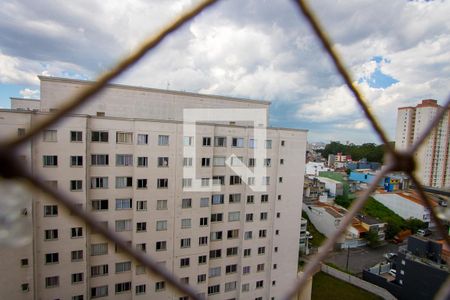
point(10, 166)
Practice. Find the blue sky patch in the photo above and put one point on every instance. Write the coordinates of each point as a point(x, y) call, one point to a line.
point(378, 79)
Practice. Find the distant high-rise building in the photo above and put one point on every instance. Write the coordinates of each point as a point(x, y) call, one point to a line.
point(433, 165)
point(124, 157)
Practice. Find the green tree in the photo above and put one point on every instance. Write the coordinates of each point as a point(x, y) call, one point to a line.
point(372, 238)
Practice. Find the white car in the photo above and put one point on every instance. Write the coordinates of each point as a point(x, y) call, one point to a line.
point(390, 255)
point(392, 272)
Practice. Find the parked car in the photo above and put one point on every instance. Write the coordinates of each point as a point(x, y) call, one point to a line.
point(424, 232)
point(392, 272)
point(390, 255)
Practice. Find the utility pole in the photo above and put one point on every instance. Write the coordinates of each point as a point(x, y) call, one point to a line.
point(348, 257)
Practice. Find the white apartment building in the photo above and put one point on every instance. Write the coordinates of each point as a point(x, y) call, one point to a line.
point(433, 165)
point(122, 157)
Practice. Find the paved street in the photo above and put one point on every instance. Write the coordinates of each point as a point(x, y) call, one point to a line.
point(360, 258)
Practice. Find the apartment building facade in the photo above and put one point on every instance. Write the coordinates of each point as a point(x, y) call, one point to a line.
point(433, 165)
point(122, 157)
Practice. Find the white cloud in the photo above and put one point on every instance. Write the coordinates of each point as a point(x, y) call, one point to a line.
point(29, 93)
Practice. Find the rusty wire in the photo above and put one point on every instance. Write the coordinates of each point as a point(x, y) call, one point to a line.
point(10, 167)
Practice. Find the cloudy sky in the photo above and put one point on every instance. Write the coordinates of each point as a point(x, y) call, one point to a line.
point(398, 52)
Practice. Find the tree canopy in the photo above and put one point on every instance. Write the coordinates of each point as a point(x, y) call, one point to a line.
point(370, 151)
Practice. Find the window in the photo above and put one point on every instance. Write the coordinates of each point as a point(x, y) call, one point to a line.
point(216, 235)
point(245, 287)
point(248, 235)
point(185, 223)
point(246, 270)
point(52, 183)
point(24, 262)
point(264, 198)
point(259, 284)
point(219, 161)
point(77, 277)
point(250, 199)
point(185, 243)
point(186, 182)
point(76, 185)
point(123, 266)
point(76, 232)
point(188, 140)
point(249, 217)
point(204, 202)
point(265, 180)
point(234, 179)
point(124, 182)
point(263, 233)
point(51, 234)
point(52, 258)
point(277, 232)
point(267, 162)
point(275, 249)
point(206, 141)
point(214, 272)
point(99, 204)
point(203, 241)
point(259, 267)
point(99, 182)
point(142, 183)
point(187, 161)
point(50, 135)
point(140, 289)
point(50, 210)
point(124, 160)
point(160, 286)
point(186, 203)
point(247, 252)
point(218, 180)
point(99, 249)
point(142, 139)
point(235, 198)
point(217, 217)
point(201, 278)
point(220, 141)
point(206, 161)
point(205, 181)
point(76, 136)
point(261, 250)
point(231, 269)
point(237, 142)
point(251, 181)
point(124, 225)
point(50, 160)
point(99, 159)
point(251, 162)
point(123, 287)
point(76, 161)
point(76, 255)
point(268, 144)
point(184, 262)
point(237, 161)
point(234, 216)
point(141, 226)
point(215, 253)
point(141, 205)
point(232, 251)
point(213, 289)
point(100, 270)
point(123, 204)
point(281, 161)
point(233, 234)
point(124, 137)
point(99, 136)
point(252, 143)
point(20, 131)
point(142, 161)
point(100, 291)
point(283, 143)
point(280, 179)
point(278, 215)
point(163, 162)
point(204, 221)
point(161, 225)
point(161, 205)
point(263, 216)
point(230, 286)
point(163, 140)
point(51, 282)
point(217, 199)
point(162, 183)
